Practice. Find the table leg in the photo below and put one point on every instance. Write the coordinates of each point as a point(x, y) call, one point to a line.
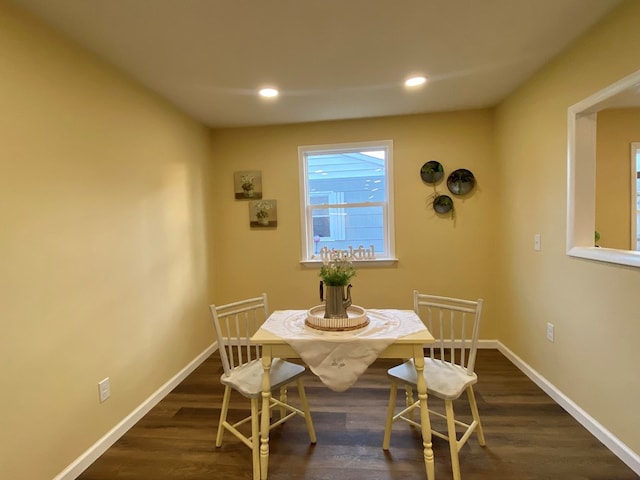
point(265, 417)
point(418, 358)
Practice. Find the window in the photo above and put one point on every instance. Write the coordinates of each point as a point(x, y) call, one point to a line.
point(346, 200)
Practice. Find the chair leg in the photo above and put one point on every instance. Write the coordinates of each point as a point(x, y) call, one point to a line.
point(390, 409)
point(476, 415)
point(307, 413)
point(283, 399)
point(255, 437)
point(223, 415)
point(453, 439)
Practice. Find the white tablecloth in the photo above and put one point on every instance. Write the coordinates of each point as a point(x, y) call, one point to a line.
point(339, 358)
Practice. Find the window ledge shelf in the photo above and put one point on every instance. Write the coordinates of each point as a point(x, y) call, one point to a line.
point(378, 262)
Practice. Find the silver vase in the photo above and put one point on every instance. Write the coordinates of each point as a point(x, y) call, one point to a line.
point(336, 300)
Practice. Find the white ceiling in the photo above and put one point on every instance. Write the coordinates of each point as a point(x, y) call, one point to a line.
point(331, 59)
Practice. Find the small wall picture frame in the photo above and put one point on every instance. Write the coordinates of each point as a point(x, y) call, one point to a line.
point(263, 213)
point(247, 185)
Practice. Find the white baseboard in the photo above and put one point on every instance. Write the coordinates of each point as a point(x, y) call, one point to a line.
point(91, 455)
point(619, 449)
point(624, 453)
point(489, 344)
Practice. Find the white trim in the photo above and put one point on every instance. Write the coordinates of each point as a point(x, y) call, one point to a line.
point(306, 225)
point(581, 168)
point(495, 344)
point(389, 212)
point(635, 150)
point(375, 262)
point(608, 439)
point(83, 462)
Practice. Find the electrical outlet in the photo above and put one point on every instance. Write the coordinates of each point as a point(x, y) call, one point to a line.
point(104, 389)
point(536, 242)
point(550, 331)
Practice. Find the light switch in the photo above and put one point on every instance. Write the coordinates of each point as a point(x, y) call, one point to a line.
point(104, 389)
point(536, 242)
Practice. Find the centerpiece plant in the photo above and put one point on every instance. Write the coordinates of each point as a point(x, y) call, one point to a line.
point(338, 271)
point(336, 274)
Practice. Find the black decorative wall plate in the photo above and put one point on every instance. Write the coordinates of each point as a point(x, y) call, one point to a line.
point(432, 172)
point(461, 181)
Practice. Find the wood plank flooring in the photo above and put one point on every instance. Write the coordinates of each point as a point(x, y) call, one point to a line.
point(529, 437)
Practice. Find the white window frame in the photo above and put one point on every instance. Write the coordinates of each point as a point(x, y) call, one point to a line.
point(308, 256)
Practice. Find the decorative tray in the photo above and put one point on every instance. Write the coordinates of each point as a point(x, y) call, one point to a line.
point(356, 318)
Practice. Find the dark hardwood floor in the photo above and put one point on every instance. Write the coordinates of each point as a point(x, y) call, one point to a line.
point(529, 437)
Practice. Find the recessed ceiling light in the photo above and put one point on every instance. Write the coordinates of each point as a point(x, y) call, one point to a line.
point(268, 92)
point(415, 81)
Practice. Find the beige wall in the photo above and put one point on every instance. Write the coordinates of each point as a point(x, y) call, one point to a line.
point(595, 357)
point(617, 129)
point(112, 212)
point(104, 247)
point(436, 255)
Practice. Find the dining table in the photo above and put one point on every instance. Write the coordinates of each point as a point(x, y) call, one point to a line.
point(338, 358)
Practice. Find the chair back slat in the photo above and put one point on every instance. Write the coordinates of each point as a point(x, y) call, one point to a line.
point(455, 325)
point(463, 338)
point(235, 323)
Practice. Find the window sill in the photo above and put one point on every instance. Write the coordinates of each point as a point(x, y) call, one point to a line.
point(378, 262)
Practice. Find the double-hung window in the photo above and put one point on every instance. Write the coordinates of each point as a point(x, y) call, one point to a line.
point(347, 201)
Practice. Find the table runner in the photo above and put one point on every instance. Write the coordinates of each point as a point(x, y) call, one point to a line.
point(339, 358)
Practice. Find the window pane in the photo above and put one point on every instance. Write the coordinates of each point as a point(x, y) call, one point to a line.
point(347, 178)
point(358, 176)
point(361, 226)
point(321, 226)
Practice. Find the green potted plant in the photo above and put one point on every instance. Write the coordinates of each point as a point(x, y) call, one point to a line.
point(336, 275)
point(338, 271)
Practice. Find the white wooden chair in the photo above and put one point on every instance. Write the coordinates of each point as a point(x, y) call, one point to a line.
point(448, 370)
point(235, 323)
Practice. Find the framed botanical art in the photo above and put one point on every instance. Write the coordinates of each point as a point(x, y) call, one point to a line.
point(247, 185)
point(263, 213)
